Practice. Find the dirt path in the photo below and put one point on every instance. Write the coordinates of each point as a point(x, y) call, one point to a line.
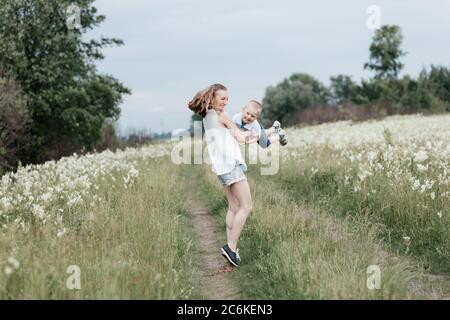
point(215, 270)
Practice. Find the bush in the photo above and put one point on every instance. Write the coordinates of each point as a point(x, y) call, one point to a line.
point(438, 82)
point(344, 111)
point(136, 138)
point(299, 92)
point(343, 90)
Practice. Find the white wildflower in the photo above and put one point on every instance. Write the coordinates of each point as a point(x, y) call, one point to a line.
point(38, 211)
point(371, 156)
point(364, 174)
point(420, 156)
point(429, 183)
point(6, 203)
point(61, 232)
point(46, 197)
point(422, 168)
point(416, 184)
point(76, 199)
point(131, 176)
point(14, 262)
point(346, 180)
point(423, 188)
point(9, 271)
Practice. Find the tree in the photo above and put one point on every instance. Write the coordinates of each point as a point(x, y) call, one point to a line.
point(14, 122)
point(68, 99)
point(292, 95)
point(385, 53)
point(195, 117)
point(343, 89)
point(437, 80)
point(414, 96)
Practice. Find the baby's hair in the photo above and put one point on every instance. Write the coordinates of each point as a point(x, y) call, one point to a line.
point(256, 104)
point(203, 99)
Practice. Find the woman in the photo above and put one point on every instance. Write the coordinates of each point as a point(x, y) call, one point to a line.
point(222, 137)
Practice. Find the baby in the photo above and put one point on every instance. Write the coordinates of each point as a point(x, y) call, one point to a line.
point(247, 120)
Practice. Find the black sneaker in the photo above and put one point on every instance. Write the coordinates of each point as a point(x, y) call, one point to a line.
point(232, 257)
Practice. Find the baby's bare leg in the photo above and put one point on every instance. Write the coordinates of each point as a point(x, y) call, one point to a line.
point(270, 131)
point(274, 138)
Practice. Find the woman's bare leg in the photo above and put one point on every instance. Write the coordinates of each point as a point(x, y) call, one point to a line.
point(241, 191)
point(232, 209)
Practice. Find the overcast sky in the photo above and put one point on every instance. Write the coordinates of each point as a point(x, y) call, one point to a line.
point(173, 48)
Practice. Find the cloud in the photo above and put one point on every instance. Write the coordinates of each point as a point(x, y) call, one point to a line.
point(143, 101)
point(156, 110)
point(173, 48)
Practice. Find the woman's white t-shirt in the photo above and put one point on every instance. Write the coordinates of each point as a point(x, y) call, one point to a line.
point(223, 149)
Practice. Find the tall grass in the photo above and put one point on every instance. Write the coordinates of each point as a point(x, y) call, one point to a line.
point(409, 222)
point(135, 245)
point(292, 251)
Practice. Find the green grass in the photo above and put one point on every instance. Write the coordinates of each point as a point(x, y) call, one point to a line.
point(309, 237)
point(293, 251)
point(136, 245)
point(394, 208)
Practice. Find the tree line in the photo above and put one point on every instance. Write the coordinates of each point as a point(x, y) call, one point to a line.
point(54, 102)
point(302, 98)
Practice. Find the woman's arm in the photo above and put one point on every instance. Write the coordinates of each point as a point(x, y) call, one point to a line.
point(240, 136)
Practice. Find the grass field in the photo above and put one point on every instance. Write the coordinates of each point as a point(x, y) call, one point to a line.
point(132, 242)
point(347, 196)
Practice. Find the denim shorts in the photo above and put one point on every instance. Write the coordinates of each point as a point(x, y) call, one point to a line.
point(236, 175)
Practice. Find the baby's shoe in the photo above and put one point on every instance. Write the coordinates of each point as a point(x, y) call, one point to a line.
point(283, 137)
point(276, 126)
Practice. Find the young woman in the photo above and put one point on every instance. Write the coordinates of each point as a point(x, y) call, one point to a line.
point(223, 138)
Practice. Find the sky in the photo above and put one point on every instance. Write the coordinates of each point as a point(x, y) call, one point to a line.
point(174, 48)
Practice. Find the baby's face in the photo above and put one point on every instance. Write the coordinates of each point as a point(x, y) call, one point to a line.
point(250, 113)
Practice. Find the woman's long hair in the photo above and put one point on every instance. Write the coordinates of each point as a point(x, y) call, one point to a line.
point(203, 99)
